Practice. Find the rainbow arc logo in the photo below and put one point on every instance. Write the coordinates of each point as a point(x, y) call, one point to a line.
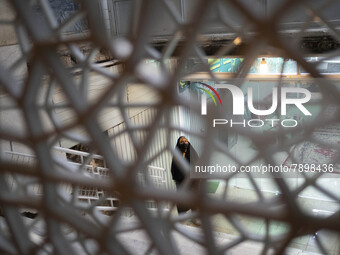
point(209, 93)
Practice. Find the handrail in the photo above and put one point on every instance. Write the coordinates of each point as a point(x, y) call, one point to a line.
point(157, 168)
point(79, 153)
point(75, 152)
point(157, 174)
point(20, 154)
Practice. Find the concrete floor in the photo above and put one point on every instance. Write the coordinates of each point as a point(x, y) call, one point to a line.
point(331, 241)
point(138, 242)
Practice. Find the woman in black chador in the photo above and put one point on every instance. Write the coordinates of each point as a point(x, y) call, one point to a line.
point(178, 175)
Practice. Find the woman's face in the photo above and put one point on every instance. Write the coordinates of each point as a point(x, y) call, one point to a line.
point(183, 144)
point(183, 140)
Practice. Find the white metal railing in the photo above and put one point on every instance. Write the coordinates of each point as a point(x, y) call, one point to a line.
point(90, 195)
point(81, 154)
point(158, 176)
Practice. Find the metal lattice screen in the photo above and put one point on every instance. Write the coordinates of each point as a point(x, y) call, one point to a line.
point(60, 61)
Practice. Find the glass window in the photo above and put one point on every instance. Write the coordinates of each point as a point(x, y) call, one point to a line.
point(260, 66)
